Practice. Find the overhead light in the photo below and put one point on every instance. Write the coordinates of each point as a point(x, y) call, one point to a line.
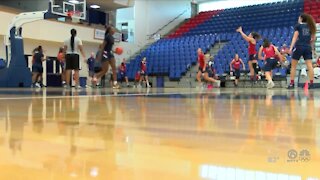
point(94, 6)
point(74, 1)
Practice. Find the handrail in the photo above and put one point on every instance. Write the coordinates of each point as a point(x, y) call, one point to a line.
point(160, 29)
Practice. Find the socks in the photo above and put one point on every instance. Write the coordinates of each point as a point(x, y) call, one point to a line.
point(252, 78)
point(291, 81)
point(311, 81)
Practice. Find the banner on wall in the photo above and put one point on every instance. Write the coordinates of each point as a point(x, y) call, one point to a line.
point(99, 34)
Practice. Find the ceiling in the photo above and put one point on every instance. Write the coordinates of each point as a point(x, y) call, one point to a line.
point(111, 5)
point(108, 4)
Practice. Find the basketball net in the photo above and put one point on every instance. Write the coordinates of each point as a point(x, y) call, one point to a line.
point(74, 15)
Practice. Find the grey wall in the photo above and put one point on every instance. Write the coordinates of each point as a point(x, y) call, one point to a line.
point(26, 5)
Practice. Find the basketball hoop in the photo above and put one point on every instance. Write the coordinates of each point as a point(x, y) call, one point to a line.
point(74, 10)
point(74, 15)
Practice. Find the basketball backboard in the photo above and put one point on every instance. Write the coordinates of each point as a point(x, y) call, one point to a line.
point(69, 8)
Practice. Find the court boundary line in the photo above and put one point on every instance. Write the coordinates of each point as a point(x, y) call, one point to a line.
point(106, 95)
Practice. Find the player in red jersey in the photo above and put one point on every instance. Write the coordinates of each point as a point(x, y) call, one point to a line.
point(317, 64)
point(202, 65)
point(143, 72)
point(123, 72)
point(137, 79)
point(252, 39)
point(235, 64)
point(270, 52)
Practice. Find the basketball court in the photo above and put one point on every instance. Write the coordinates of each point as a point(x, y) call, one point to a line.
point(159, 134)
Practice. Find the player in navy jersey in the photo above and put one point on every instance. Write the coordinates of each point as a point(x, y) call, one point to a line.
point(91, 63)
point(302, 45)
point(106, 57)
point(37, 68)
point(61, 58)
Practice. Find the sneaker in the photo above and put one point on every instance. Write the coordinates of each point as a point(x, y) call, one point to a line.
point(291, 86)
point(67, 86)
point(116, 86)
point(218, 83)
point(311, 86)
point(37, 85)
point(98, 86)
point(78, 87)
point(270, 85)
point(139, 86)
point(129, 85)
point(148, 86)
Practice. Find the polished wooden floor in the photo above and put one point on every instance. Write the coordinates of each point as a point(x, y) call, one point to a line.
point(159, 134)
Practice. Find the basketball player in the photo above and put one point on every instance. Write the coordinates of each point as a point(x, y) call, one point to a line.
point(270, 52)
point(252, 39)
point(123, 72)
point(106, 57)
point(72, 47)
point(212, 71)
point(317, 64)
point(137, 79)
point(61, 59)
point(144, 72)
point(235, 63)
point(202, 65)
point(37, 69)
point(91, 63)
point(302, 44)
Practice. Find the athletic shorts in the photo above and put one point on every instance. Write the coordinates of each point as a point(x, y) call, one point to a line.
point(37, 68)
point(91, 73)
point(201, 70)
point(304, 51)
point(252, 57)
point(63, 66)
point(123, 75)
point(107, 56)
point(270, 64)
point(72, 62)
point(237, 73)
point(143, 73)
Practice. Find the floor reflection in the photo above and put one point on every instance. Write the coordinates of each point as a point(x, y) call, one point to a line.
point(91, 134)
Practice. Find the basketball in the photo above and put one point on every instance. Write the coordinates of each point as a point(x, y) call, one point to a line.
point(119, 50)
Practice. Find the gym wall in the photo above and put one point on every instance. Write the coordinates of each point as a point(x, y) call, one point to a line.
point(148, 16)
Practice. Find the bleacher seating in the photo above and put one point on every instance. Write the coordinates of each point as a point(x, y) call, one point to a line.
point(280, 14)
point(194, 22)
point(312, 7)
point(173, 55)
